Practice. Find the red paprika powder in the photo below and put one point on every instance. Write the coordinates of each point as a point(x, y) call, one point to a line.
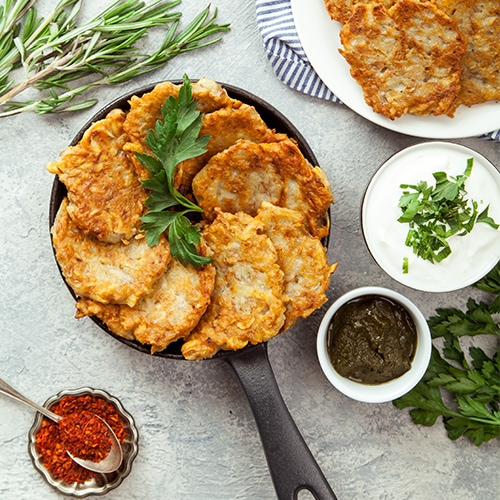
point(80, 433)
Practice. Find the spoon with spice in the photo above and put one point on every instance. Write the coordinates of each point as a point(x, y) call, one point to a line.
point(85, 432)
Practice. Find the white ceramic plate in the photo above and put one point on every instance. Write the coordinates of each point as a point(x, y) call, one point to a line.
point(473, 255)
point(319, 36)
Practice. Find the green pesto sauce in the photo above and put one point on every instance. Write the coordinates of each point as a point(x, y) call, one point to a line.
point(372, 340)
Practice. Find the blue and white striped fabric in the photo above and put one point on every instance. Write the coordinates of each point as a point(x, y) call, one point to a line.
point(493, 136)
point(287, 57)
point(284, 50)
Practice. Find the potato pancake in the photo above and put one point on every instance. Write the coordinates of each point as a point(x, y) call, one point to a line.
point(301, 257)
point(479, 23)
point(225, 127)
point(106, 272)
point(248, 301)
point(407, 59)
point(106, 198)
point(145, 110)
point(341, 10)
point(173, 308)
point(246, 174)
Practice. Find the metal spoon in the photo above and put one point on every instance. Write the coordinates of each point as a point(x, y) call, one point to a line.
point(109, 464)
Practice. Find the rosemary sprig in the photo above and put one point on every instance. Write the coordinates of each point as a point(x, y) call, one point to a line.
point(64, 59)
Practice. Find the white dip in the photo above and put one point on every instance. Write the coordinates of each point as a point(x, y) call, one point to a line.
point(473, 255)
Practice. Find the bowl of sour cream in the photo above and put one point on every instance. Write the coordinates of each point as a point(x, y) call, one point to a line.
point(374, 344)
point(472, 255)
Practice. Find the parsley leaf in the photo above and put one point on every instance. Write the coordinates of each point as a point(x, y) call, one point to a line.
point(434, 214)
point(174, 138)
point(491, 282)
point(473, 389)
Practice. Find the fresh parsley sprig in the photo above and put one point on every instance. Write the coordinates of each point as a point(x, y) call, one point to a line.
point(474, 387)
point(64, 58)
point(491, 282)
point(174, 138)
point(435, 213)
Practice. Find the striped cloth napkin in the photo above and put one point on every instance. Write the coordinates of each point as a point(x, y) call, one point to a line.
point(287, 57)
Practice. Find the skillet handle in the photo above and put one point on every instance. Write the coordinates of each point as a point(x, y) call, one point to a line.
point(291, 464)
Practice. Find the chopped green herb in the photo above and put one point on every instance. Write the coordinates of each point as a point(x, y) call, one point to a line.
point(175, 138)
point(405, 265)
point(435, 213)
point(474, 387)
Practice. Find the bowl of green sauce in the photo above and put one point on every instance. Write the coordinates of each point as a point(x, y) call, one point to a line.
point(374, 344)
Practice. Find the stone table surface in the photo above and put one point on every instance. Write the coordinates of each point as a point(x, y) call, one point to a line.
point(198, 438)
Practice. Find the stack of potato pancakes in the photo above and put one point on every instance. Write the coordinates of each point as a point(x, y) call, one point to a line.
point(265, 213)
point(421, 57)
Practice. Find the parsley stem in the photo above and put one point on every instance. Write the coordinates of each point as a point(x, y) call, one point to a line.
point(175, 138)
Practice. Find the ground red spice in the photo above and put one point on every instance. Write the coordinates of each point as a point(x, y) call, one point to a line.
point(80, 433)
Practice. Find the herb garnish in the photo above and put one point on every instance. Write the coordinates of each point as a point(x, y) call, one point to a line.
point(405, 265)
point(174, 139)
point(474, 387)
point(434, 214)
point(51, 54)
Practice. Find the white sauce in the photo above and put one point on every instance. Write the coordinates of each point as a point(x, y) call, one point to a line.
point(473, 255)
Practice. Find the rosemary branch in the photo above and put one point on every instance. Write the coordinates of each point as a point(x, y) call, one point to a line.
point(57, 56)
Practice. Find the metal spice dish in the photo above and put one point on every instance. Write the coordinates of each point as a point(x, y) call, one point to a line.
point(99, 484)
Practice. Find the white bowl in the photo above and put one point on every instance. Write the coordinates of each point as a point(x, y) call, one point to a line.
point(474, 254)
point(387, 391)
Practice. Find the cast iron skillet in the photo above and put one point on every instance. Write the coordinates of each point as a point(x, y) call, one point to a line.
point(291, 464)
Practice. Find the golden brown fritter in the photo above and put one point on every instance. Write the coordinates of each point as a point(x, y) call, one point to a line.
point(407, 59)
point(225, 127)
point(174, 307)
point(106, 198)
point(106, 272)
point(211, 96)
point(341, 10)
point(247, 174)
point(301, 257)
point(145, 110)
point(248, 302)
point(479, 23)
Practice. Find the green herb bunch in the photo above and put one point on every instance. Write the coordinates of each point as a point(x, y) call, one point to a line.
point(174, 139)
point(435, 213)
point(471, 388)
point(64, 59)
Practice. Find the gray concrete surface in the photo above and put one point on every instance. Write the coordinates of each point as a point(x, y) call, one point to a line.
point(198, 439)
